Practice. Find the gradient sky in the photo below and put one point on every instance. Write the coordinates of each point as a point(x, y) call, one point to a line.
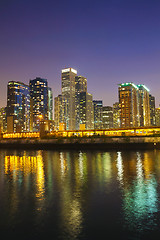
point(109, 42)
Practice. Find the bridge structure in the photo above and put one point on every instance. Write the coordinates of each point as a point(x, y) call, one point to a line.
point(119, 132)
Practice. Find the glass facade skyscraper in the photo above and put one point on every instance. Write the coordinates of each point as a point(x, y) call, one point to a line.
point(50, 104)
point(98, 105)
point(86, 110)
point(18, 107)
point(39, 102)
point(144, 106)
point(80, 86)
point(152, 110)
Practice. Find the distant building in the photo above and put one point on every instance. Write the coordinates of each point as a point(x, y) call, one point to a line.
point(18, 107)
point(80, 86)
point(107, 117)
point(50, 104)
point(3, 119)
point(39, 101)
point(86, 110)
point(152, 110)
point(58, 112)
point(144, 106)
point(157, 116)
point(98, 114)
point(116, 115)
point(68, 94)
point(128, 102)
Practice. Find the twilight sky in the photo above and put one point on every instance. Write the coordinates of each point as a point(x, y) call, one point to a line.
point(107, 41)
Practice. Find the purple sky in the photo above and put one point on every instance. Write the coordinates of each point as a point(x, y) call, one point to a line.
point(109, 42)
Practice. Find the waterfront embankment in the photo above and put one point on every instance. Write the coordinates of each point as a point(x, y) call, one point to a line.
point(90, 143)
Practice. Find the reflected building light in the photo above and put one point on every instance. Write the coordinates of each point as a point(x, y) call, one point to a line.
point(141, 199)
point(139, 168)
point(24, 166)
point(152, 200)
point(63, 164)
point(74, 219)
point(80, 160)
point(107, 166)
point(40, 177)
point(120, 167)
point(71, 213)
point(148, 165)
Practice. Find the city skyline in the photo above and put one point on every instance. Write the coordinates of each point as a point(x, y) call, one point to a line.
point(97, 99)
point(74, 107)
point(106, 42)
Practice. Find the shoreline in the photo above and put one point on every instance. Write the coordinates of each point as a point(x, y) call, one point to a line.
point(81, 144)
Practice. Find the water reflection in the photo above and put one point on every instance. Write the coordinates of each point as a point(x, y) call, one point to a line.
point(120, 168)
point(67, 188)
point(140, 195)
point(21, 168)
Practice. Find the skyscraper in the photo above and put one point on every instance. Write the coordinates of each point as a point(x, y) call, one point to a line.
point(107, 117)
point(50, 104)
point(3, 119)
point(39, 101)
point(128, 102)
point(86, 110)
point(18, 107)
point(98, 114)
point(80, 86)
point(116, 115)
point(152, 110)
point(68, 95)
point(58, 111)
point(157, 116)
point(144, 107)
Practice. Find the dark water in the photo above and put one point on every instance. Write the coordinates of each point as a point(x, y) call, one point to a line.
point(80, 195)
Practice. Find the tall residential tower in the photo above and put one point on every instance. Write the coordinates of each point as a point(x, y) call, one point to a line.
point(68, 96)
point(128, 103)
point(144, 106)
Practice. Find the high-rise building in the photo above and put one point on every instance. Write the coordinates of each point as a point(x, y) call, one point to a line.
point(58, 112)
point(152, 110)
point(68, 94)
point(128, 102)
point(39, 102)
point(98, 114)
point(80, 86)
point(3, 119)
point(50, 104)
point(157, 116)
point(107, 117)
point(144, 107)
point(18, 107)
point(116, 115)
point(86, 110)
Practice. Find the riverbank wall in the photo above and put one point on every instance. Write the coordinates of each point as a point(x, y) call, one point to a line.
point(87, 143)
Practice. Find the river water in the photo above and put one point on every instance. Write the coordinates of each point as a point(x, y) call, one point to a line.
point(80, 195)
